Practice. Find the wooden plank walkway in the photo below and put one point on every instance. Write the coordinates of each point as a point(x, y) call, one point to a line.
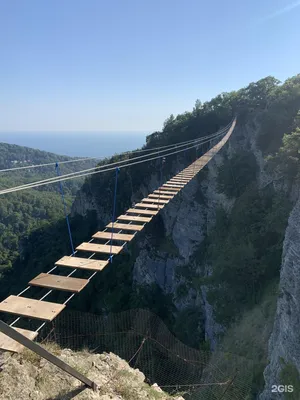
point(165, 192)
point(58, 282)
point(99, 248)
point(81, 263)
point(150, 206)
point(160, 196)
point(123, 237)
point(143, 212)
point(125, 227)
point(31, 308)
point(155, 201)
point(8, 344)
point(133, 218)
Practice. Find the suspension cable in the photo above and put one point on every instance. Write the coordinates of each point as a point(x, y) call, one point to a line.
point(101, 169)
point(90, 158)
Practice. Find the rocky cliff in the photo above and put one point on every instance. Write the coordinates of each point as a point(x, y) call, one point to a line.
point(27, 376)
point(284, 344)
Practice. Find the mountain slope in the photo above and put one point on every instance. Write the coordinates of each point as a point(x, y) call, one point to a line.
point(23, 212)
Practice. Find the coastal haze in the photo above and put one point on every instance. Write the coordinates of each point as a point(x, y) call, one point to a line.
point(78, 144)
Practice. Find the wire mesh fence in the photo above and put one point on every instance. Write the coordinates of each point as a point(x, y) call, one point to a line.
point(142, 339)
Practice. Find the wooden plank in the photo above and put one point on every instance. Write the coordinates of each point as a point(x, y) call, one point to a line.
point(126, 227)
point(173, 185)
point(178, 181)
point(31, 308)
point(114, 236)
point(99, 248)
point(170, 189)
point(151, 206)
point(176, 184)
point(8, 344)
point(184, 175)
point(146, 200)
point(165, 192)
point(82, 263)
point(145, 212)
point(58, 282)
point(23, 340)
point(133, 218)
point(160, 196)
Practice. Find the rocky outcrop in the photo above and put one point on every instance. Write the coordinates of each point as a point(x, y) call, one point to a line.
point(284, 344)
point(26, 376)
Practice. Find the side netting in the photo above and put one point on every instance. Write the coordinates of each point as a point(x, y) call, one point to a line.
point(141, 338)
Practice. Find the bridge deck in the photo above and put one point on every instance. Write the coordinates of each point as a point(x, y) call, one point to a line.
point(114, 236)
point(58, 282)
point(81, 263)
point(174, 185)
point(160, 196)
point(151, 206)
point(8, 344)
point(156, 201)
point(164, 192)
point(125, 227)
point(99, 248)
point(133, 218)
point(144, 212)
point(169, 189)
point(31, 308)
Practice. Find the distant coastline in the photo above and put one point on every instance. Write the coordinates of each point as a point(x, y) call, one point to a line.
point(78, 144)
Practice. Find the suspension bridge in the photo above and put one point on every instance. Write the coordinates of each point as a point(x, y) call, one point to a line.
point(93, 256)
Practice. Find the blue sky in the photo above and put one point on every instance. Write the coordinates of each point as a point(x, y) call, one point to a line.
point(127, 65)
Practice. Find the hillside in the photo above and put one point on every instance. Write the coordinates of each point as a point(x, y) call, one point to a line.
point(215, 265)
point(23, 213)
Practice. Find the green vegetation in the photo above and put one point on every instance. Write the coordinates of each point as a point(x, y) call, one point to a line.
point(289, 375)
point(242, 268)
point(24, 212)
point(276, 119)
point(237, 173)
point(286, 160)
point(248, 337)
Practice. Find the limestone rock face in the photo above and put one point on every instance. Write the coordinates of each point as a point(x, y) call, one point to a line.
point(284, 344)
point(26, 376)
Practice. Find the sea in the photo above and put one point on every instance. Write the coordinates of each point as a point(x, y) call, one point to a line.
point(78, 144)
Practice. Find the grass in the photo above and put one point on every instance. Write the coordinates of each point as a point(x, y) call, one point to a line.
point(125, 387)
point(31, 357)
point(53, 348)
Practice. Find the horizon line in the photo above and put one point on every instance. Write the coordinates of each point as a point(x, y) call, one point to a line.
point(74, 131)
